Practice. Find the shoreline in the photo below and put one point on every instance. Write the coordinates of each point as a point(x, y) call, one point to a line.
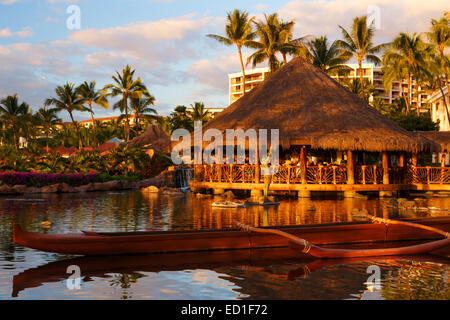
point(164, 179)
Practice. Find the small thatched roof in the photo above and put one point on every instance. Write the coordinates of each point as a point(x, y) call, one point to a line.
point(153, 137)
point(310, 108)
point(442, 138)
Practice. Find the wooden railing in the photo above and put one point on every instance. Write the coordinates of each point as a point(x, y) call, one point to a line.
point(332, 174)
point(429, 175)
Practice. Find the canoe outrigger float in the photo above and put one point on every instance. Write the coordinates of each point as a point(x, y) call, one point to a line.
point(433, 233)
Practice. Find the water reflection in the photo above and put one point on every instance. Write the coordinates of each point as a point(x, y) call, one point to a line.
point(272, 274)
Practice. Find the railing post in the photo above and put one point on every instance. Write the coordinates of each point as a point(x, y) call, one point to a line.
point(375, 181)
point(363, 168)
point(257, 168)
point(442, 168)
point(320, 174)
point(289, 175)
point(385, 168)
point(428, 175)
point(231, 173)
point(219, 172)
point(334, 174)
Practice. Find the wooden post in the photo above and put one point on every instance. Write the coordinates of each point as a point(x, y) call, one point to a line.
point(303, 166)
point(401, 160)
point(414, 159)
point(363, 169)
point(442, 167)
point(385, 168)
point(350, 167)
point(257, 169)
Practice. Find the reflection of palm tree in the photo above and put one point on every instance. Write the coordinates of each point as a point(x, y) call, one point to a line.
point(125, 280)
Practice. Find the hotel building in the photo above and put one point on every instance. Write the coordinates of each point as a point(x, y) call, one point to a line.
point(370, 72)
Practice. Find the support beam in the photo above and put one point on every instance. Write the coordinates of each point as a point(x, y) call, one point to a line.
point(414, 159)
point(304, 194)
point(303, 165)
point(385, 162)
point(401, 160)
point(350, 167)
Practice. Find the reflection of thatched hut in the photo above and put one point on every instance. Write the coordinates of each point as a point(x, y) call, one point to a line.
point(316, 114)
point(153, 138)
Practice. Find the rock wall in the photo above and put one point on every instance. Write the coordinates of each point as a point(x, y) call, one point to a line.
point(165, 179)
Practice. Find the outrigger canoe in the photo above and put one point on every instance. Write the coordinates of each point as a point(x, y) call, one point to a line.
point(121, 243)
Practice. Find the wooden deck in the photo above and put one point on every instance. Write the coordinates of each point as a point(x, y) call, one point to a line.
point(322, 178)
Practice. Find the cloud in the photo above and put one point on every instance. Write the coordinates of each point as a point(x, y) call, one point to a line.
point(320, 17)
point(7, 2)
point(25, 32)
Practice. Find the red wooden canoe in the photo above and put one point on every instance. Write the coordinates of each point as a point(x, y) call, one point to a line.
point(93, 243)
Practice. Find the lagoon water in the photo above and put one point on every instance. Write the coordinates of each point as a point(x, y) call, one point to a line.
point(253, 274)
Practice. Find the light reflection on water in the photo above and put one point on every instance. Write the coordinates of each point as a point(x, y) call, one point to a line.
point(133, 211)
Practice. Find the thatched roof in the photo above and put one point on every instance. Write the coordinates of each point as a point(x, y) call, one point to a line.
point(440, 137)
point(310, 108)
point(153, 137)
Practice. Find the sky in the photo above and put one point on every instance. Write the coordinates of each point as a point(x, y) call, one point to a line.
point(42, 46)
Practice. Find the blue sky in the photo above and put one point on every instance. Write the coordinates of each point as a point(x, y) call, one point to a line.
point(164, 40)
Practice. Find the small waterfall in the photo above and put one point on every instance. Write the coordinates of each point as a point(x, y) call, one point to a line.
point(183, 176)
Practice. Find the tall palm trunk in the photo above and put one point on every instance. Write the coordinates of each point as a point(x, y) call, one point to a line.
point(243, 69)
point(14, 135)
point(361, 78)
point(408, 100)
point(127, 123)
point(445, 100)
point(94, 127)
point(80, 141)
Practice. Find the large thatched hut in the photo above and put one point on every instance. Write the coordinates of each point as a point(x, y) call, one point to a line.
point(330, 138)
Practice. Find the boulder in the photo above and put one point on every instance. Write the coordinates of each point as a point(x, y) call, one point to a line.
point(107, 186)
point(50, 189)
point(32, 190)
point(65, 188)
point(19, 189)
point(83, 188)
point(151, 189)
point(5, 189)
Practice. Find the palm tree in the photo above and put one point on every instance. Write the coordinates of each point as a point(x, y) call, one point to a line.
point(198, 112)
point(69, 100)
point(47, 120)
point(287, 45)
point(141, 107)
point(12, 113)
point(439, 37)
point(329, 58)
point(238, 32)
point(270, 41)
point(88, 92)
point(358, 44)
point(410, 53)
point(125, 86)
